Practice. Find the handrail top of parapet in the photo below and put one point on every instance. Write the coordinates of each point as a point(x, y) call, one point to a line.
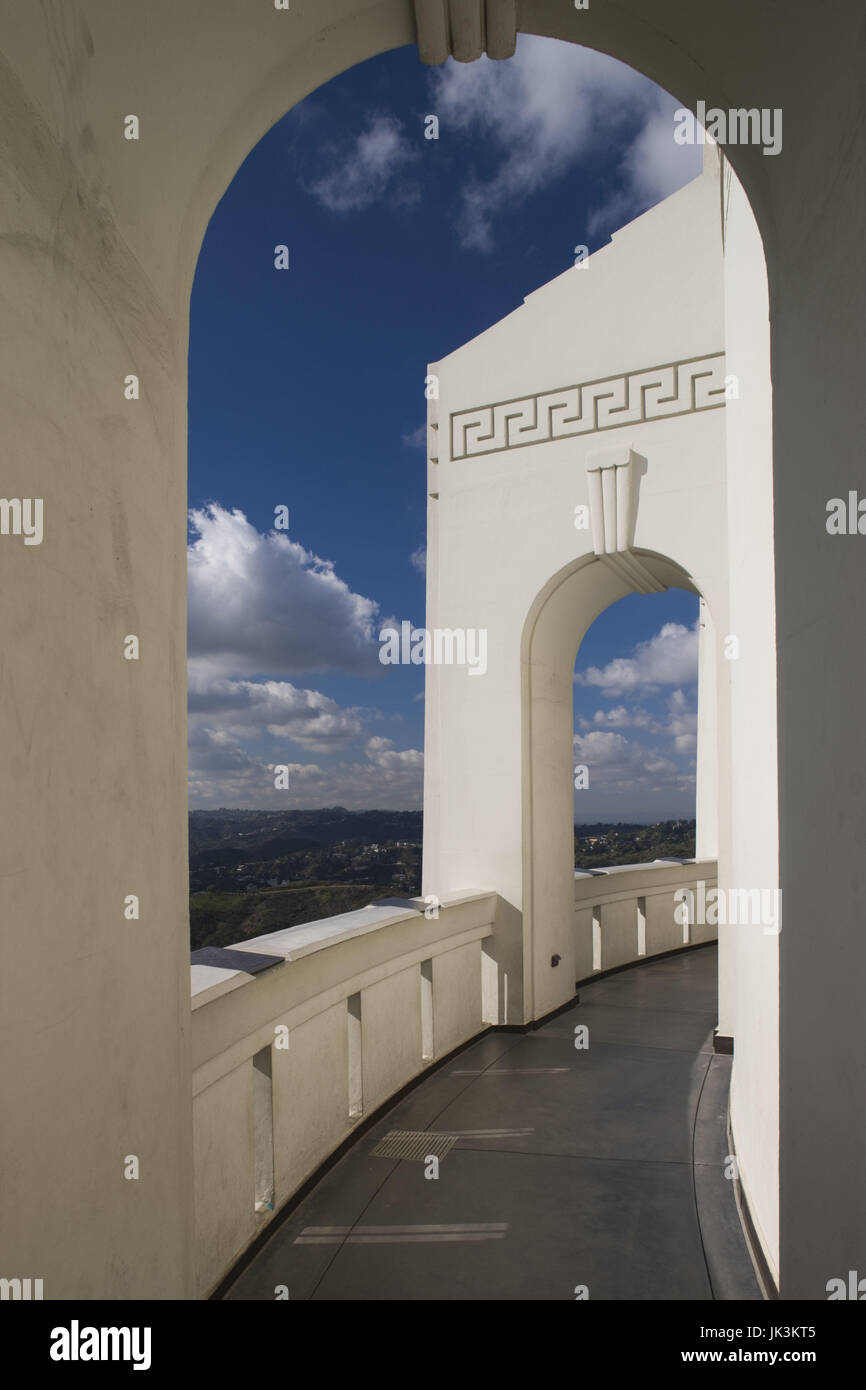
point(657, 875)
point(621, 868)
point(208, 982)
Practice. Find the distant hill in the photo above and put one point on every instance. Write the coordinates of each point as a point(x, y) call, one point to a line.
point(606, 844)
point(252, 872)
point(269, 834)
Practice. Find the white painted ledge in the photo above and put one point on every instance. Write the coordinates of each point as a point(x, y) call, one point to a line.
point(210, 982)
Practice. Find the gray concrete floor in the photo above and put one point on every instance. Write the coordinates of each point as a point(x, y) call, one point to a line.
point(601, 1168)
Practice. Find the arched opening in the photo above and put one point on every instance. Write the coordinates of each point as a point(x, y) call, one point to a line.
point(635, 732)
point(265, 368)
point(555, 628)
point(535, 924)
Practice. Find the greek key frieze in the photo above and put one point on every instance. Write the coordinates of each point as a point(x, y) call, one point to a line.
point(633, 398)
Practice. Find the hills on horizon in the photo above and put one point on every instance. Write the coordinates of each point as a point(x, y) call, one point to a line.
point(252, 872)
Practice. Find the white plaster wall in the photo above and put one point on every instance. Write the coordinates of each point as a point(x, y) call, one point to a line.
point(504, 530)
point(579, 957)
point(456, 997)
point(749, 970)
point(224, 1175)
point(390, 1036)
point(618, 934)
point(311, 1103)
point(663, 931)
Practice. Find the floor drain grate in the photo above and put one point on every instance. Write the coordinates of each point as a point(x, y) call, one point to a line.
point(413, 1144)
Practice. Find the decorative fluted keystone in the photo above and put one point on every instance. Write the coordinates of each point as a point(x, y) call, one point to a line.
point(464, 29)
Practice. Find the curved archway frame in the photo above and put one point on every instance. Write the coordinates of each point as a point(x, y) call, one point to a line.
point(560, 617)
point(624, 35)
point(324, 49)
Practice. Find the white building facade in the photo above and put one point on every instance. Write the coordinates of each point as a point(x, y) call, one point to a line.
point(610, 436)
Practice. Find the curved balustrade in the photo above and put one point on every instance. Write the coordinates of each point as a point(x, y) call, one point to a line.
point(628, 912)
point(334, 1018)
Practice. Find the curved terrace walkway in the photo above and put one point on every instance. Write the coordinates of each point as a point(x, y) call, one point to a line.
point(601, 1167)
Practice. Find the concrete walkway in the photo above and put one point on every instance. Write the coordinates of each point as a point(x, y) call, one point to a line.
point(601, 1167)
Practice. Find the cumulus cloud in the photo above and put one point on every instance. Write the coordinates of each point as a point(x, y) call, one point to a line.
point(668, 658)
point(622, 718)
point(250, 708)
point(652, 168)
point(619, 766)
point(382, 752)
point(223, 774)
point(544, 111)
point(263, 604)
point(367, 168)
point(418, 559)
point(215, 753)
point(683, 723)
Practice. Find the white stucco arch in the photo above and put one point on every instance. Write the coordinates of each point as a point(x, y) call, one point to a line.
point(557, 623)
point(507, 550)
point(326, 45)
point(519, 985)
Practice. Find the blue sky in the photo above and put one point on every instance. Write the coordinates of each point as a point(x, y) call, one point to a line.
point(306, 391)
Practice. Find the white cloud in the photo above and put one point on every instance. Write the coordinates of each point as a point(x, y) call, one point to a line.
point(668, 658)
point(652, 168)
point(418, 559)
point(215, 753)
point(382, 752)
point(367, 168)
point(221, 774)
point(683, 725)
point(545, 110)
point(619, 767)
point(263, 604)
point(248, 709)
point(417, 439)
point(622, 718)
